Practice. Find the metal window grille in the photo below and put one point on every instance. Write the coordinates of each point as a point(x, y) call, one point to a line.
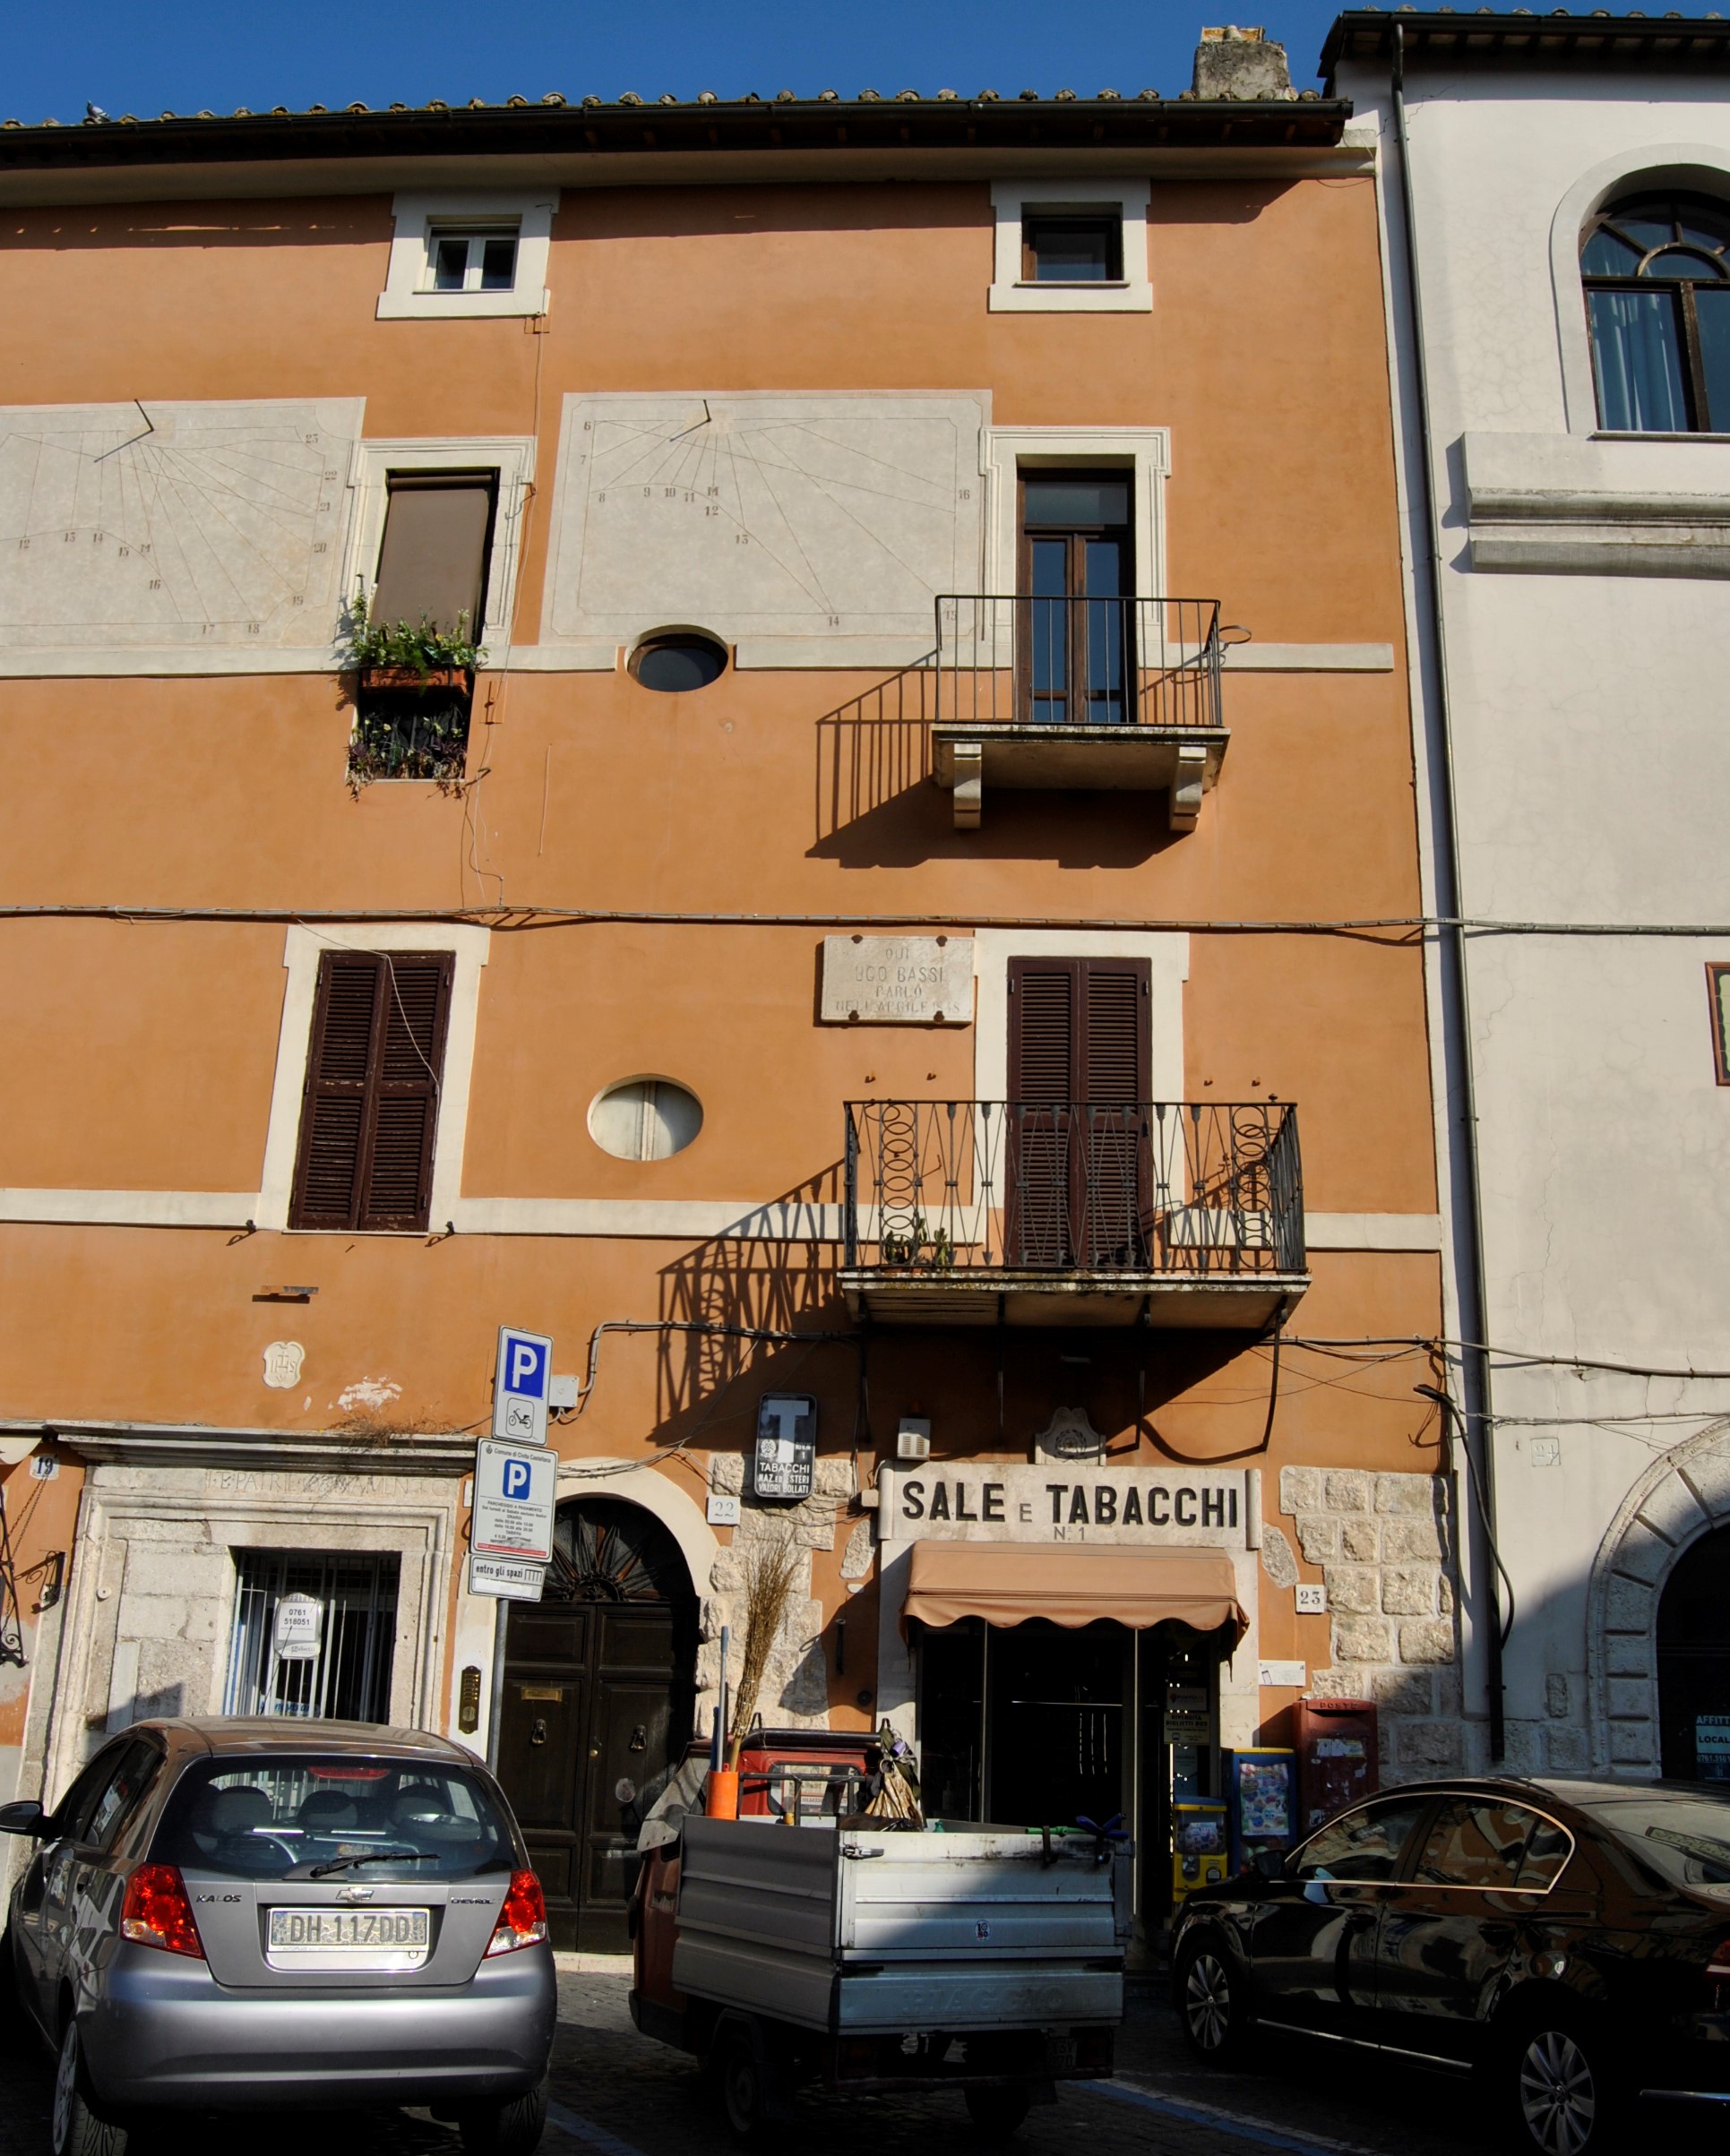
point(350, 1678)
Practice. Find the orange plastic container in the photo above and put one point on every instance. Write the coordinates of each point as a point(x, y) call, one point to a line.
point(722, 1800)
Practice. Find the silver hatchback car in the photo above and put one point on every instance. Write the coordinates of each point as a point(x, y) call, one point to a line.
point(246, 1913)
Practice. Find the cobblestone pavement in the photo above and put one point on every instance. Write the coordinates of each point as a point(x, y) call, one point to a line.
point(616, 2094)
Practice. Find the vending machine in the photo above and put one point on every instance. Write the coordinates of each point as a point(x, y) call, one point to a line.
point(1335, 1757)
point(1200, 1847)
point(1261, 1800)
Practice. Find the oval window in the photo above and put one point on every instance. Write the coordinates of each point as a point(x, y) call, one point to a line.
point(645, 1119)
point(673, 664)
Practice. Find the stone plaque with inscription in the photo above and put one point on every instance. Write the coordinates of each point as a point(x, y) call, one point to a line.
point(898, 980)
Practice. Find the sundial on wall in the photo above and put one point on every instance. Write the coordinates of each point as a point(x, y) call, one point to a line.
point(765, 516)
point(213, 525)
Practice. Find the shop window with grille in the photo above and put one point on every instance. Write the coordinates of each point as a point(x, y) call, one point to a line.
point(347, 1676)
point(369, 1115)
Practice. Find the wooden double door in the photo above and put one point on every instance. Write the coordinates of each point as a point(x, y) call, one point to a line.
point(1078, 1187)
point(596, 1712)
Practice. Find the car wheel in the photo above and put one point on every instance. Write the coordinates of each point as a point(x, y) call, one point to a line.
point(510, 2128)
point(741, 2082)
point(77, 2129)
point(996, 2113)
point(1562, 2098)
point(1210, 2001)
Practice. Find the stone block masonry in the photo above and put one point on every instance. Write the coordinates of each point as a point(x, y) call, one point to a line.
point(1383, 1544)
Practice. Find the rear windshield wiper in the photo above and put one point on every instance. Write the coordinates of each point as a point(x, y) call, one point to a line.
point(375, 1856)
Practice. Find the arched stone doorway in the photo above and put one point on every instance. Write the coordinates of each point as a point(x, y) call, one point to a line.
point(599, 1677)
point(1693, 1656)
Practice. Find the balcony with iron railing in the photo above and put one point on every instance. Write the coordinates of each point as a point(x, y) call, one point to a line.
point(1118, 694)
point(1033, 1213)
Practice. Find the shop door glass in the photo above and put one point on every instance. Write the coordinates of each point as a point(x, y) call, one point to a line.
point(1059, 1724)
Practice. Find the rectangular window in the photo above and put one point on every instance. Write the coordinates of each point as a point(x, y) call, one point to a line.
point(348, 1675)
point(459, 260)
point(369, 1115)
point(1072, 247)
point(433, 558)
point(1717, 986)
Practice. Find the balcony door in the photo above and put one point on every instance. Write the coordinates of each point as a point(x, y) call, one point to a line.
point(1077, 1189)
point(1076, 641)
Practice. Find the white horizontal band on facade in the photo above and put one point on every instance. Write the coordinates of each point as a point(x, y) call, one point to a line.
point(669, 1220)
point(809, 655)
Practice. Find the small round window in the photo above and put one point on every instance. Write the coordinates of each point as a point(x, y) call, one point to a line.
point(675, 662)
point(645, 1119)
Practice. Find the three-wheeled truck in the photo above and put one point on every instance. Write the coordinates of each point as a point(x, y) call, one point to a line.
point(807, 1941)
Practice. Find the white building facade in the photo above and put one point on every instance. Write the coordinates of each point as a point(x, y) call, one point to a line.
point(1560, 186)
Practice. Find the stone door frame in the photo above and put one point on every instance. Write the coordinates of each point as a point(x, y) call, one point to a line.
point(1680, 1497)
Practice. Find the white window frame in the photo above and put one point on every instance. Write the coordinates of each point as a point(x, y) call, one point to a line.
point(406, 296)
point(1689, 167)
point(443, 229)
point(1012, 294)
point(301, 953)
point(1145, 452)
point(512, 457)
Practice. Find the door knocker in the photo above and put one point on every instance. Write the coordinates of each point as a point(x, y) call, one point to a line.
point(538, 1730)
point(639, 1738)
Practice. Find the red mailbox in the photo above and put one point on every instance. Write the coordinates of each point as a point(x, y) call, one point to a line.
point(1335, 1757)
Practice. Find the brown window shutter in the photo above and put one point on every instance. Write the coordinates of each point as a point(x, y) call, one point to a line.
point(333, 1110)
point(369, 1115)
point(432, 564)
point(1076, 1189)
point(1114, 1063)
point(1043, 994)
point(416, 999)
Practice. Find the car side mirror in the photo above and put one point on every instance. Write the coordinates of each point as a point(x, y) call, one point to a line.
point(24, 1818)
point(1270, 1863)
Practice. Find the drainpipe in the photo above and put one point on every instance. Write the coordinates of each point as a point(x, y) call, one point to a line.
point(1456, 1038)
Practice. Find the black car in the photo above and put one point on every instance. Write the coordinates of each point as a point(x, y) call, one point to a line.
point(1570, 1941)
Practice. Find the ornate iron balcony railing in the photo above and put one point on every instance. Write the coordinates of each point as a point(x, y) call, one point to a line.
point(1018, 660)
point(984, 1188)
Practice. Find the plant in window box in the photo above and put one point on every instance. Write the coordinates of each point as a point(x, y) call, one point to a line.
point(413, 688)
point(410, 655)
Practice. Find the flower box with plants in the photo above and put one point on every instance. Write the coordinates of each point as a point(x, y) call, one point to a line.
point(414, 684)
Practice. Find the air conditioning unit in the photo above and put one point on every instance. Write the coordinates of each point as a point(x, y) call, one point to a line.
point(913, 1437)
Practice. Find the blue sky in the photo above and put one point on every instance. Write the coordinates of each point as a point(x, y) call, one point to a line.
point(146, 57)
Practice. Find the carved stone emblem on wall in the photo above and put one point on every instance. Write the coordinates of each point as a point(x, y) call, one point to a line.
point(282, 1362)
point(1068, 1435)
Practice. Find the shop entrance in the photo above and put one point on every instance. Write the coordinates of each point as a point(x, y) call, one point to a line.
point(1693, 1642)
point(599, 1678)
point(1037, 1724)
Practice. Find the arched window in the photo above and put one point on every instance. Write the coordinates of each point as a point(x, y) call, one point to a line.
point(1658, 302)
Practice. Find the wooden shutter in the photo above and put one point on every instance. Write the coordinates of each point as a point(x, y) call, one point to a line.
point(432, 562)
point(369, 1118)
point(1076, 1187)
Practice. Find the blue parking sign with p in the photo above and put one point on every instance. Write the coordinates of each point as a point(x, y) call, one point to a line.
point(519, 1479)
point(525, 1361)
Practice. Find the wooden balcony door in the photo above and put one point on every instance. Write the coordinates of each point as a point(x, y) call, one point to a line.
point(1076, 657)
point(1077, 1187)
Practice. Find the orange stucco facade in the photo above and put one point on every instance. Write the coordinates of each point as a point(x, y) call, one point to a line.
point(188, 818)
